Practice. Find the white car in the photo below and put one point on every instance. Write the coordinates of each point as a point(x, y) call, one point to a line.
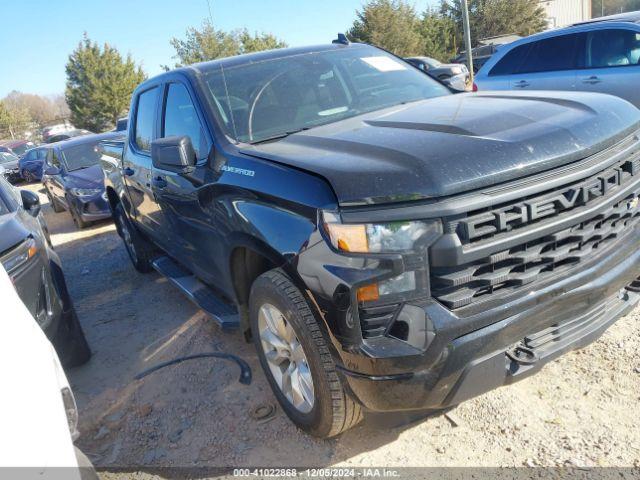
point(38, 412)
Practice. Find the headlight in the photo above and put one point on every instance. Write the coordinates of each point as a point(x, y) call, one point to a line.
point(85, 192)
point(19, 256)
point(392, 237)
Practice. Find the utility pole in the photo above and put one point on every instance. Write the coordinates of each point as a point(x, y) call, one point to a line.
point(467, 37)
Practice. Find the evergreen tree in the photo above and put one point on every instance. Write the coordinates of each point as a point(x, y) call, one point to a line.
point(208, 43)
point(390, 24)
point(99, 85)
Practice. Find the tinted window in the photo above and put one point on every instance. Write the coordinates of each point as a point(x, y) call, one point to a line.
point(81, 156)
point(31, 155)
point(42, 154)
point(612, 48)
point(181, 118)
point(145, 114)
point(510, 63)
point(551, 54)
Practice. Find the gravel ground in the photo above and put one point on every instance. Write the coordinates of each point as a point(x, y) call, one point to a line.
point(581, 410)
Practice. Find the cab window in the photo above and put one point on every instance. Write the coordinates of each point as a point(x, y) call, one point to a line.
point(145, 114)
point(181, 119)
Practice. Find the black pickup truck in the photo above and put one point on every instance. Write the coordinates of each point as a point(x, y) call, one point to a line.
point(388, 245)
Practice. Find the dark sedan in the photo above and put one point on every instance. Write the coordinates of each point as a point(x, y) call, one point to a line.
point(9, 163)
point(456, 75)
point(35, 271)
point(74, 181)
point(66, 135)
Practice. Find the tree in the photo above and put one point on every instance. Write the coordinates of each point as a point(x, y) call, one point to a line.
point(439, 36)
point(39, 109)
point(99, 85)
point(14, 119)
point(208, 43)
point(390, 24)
point(490, 18)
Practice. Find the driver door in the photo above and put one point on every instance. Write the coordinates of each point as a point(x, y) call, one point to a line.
point(187, 202)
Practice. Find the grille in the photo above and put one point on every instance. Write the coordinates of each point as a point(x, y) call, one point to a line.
point(499, 221)
point(457, 287)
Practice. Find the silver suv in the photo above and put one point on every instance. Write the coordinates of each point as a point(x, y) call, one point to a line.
point(597, 56)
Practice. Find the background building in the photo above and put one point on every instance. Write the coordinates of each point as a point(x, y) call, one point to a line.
point(566, 12)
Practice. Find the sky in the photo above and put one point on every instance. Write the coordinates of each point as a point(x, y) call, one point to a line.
point(37, 36)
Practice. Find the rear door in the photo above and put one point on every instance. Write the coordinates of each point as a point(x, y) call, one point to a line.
point(186, 201)
point(611, 58)
point(548, 64)
point(136, 165)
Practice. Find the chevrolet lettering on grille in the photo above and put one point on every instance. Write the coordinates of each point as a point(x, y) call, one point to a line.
point(535, 209)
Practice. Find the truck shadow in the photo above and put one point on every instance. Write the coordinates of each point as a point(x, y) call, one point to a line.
point(186, 418)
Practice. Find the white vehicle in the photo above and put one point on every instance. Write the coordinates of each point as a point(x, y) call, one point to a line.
point(38, 412)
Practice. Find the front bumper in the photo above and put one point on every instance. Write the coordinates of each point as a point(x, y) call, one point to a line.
point(92, 208)
point(563, 316)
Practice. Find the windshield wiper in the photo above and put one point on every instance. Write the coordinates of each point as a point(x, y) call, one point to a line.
point(279, 136)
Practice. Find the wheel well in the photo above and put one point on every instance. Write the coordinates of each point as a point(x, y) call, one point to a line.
point(246, 266)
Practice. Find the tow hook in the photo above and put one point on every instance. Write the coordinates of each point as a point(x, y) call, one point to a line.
point(522, 354)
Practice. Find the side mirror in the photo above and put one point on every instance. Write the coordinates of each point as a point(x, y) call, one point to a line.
point(30, 202)
point(52, 171)
point(175, 154)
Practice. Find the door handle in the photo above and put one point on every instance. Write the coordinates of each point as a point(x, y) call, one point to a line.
point(592, 80)
point(128, 171)
point(159, 182)
point(521, 84)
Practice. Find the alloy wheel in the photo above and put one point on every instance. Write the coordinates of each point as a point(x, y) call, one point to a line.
point(286, 358)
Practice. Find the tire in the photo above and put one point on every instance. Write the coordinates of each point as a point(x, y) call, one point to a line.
point(28, 176)
point(75, 216)
point(332, 410)
point(140, 251)
point(52, 201)
point(73, 347)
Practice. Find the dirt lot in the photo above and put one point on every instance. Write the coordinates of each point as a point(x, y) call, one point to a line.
point(581, 410)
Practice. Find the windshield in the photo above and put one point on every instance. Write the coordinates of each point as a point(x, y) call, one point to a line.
point(272, 98)
point(81, 156)
point(7, 158)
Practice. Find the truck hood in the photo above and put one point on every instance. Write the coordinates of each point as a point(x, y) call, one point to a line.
point(453, 144)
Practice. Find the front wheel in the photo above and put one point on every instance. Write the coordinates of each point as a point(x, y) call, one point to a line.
point(294, 354)
point(56, 207)
point(76, 217)
point(140, 251)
